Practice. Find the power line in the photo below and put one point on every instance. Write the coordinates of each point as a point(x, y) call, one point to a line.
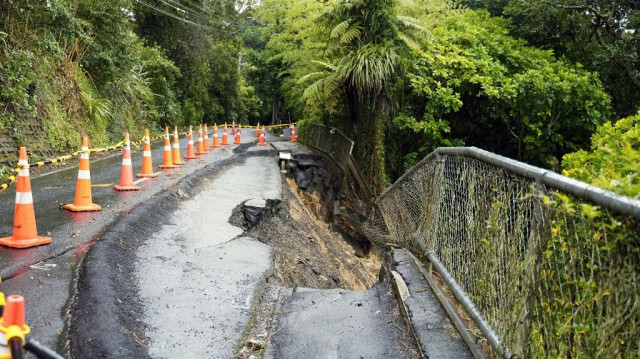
point(191, 12)
point(185, 9)
point(202, 11)
point(176, 17)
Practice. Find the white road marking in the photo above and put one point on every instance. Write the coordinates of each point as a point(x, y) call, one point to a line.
point(140, 180)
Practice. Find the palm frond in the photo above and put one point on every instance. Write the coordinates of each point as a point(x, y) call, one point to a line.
point(369, 68)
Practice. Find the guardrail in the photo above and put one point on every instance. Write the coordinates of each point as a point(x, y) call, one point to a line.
point(547, 266)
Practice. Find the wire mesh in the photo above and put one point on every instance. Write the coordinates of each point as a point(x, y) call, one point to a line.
point(331, 141)
point(554, 275)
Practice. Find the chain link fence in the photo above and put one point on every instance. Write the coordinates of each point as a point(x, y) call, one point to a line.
point(330, 141)
point(551, 264)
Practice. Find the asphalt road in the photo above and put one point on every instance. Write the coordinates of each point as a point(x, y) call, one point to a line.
point(44, 275)
point(203, 281)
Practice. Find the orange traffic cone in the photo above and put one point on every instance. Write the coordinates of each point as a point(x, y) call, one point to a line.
point(176, 148)
point(262, 139)
point(167, 160)
point(233, 128)
point(200, 149)
point(147, 161)
point(126, 171)
point(293, 133)
point(83, 199)
point(216, 142)
point(25, 233)
point(257, 134)
point(13, 315)
point(225, 138)
point(237, 140)
point(191, 152)
point(205, 142)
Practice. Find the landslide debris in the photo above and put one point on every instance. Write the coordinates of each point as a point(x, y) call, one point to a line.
point(307, 252)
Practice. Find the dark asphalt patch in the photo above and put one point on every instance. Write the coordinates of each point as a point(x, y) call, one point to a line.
point(106, 314)
point(339, 323)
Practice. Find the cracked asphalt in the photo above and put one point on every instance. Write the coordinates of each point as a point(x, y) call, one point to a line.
point(45, 275)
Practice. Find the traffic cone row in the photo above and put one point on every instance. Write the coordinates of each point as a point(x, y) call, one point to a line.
point(24, 228)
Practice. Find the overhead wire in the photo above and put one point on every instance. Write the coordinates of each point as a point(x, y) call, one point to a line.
point(199, 11)
point(179, 7)
point(176, 17)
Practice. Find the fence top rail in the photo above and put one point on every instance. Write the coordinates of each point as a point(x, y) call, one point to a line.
point(335, 130)
point(606, 199)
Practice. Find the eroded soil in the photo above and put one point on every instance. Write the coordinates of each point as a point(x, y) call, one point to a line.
point(307, 253)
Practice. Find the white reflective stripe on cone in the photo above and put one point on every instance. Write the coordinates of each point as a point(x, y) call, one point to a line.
point(23, 163)
point(167, 148)
point(126, 161)
point(24, 198)
point(84, 174)
point(175, 145)
point(127, 147)
point(85, 148)
point(146, 153)
point(84, 156)
point(147, 142)
point(24, 172)
point(191, 142)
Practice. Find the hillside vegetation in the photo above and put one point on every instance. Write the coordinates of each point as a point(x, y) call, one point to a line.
point(529, 80)
point(405, 77)
point(98, 68)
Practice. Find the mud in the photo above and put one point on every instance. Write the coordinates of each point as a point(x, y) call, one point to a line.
point(307, 252)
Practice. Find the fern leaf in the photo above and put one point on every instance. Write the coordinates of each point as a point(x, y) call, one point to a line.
point(413, 24)
point(339, 29)
point(313, 92)
point(351, 34)
point(326, 65)
point(312, 75)
point(410, 43)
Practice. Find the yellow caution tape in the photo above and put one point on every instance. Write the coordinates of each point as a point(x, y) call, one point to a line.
point(11, 179)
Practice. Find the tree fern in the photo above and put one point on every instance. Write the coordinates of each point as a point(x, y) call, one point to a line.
point(340, 29)
point(351, 34)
